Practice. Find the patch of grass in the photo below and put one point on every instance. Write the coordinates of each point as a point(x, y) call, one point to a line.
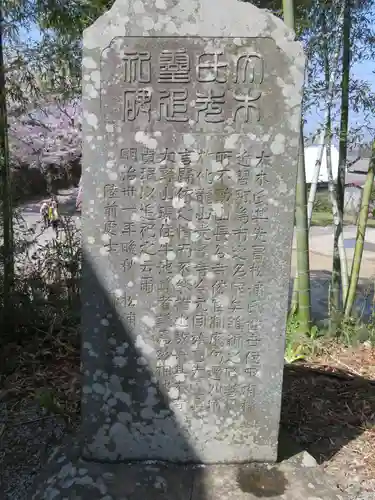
point(325, 219)
point(322, 202)
point(353, 332)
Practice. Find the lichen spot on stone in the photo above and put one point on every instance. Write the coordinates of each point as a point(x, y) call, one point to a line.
point(145, 257)
point(171, 27)
point(231, 141)
point(218, 209)
point(171, 255)
point(138, 7)
point(173, 393)
point(143, 346)
point(278, 144)
point(178, 202)
point(160, 4)
point(91, 91)
point(216, 166)
point(148, 23)
point(91, 119)
point(171, 361)
point(135, 217)
point(148, 320)
point(146, 140)
point(120, 361)
point(89, 63)
point(188, 140)
point(223, 300)
point(103, 251)
point(180, 377)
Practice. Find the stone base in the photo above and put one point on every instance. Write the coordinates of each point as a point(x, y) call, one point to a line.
point(68, 477)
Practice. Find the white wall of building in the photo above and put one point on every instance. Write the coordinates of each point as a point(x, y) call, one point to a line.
point(311, 154)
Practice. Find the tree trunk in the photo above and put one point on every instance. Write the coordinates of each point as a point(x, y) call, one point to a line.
point(360, 238)
point(6, 199)
point(336, 267)
point(337, 220)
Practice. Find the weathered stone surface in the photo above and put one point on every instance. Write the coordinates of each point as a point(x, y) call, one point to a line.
point(69, 477)
point(191, 127)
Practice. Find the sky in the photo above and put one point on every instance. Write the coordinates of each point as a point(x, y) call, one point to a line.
point(364, 71)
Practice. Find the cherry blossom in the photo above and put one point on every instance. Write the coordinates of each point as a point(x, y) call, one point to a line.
point(47, 135)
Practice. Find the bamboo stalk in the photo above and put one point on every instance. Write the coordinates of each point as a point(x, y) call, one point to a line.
point(360, 238)
point(329, 99)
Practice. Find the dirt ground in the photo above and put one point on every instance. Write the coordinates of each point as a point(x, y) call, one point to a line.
point(329, 408)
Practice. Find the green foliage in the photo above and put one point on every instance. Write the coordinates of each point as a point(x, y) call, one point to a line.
point(299, 344)
point(350, 332)
point(354, 331)
point(46, 290)
point(47, 400)
point(372, 195)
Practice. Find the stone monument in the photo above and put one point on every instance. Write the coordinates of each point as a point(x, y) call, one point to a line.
point(191, 126)
point(191, 129)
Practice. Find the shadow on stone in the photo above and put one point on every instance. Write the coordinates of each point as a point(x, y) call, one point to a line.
point(128, 427)
point(262, 480)
point(127, 414)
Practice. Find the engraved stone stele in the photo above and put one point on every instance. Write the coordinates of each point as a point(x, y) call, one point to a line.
point(191, 129)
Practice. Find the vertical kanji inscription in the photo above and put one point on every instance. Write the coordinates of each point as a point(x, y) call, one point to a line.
point(137, 67)
point(174, 66)
point(192, 204)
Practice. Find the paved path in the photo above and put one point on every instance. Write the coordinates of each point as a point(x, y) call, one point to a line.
point(30, 211)
point(321, 249)
point(31, 219)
